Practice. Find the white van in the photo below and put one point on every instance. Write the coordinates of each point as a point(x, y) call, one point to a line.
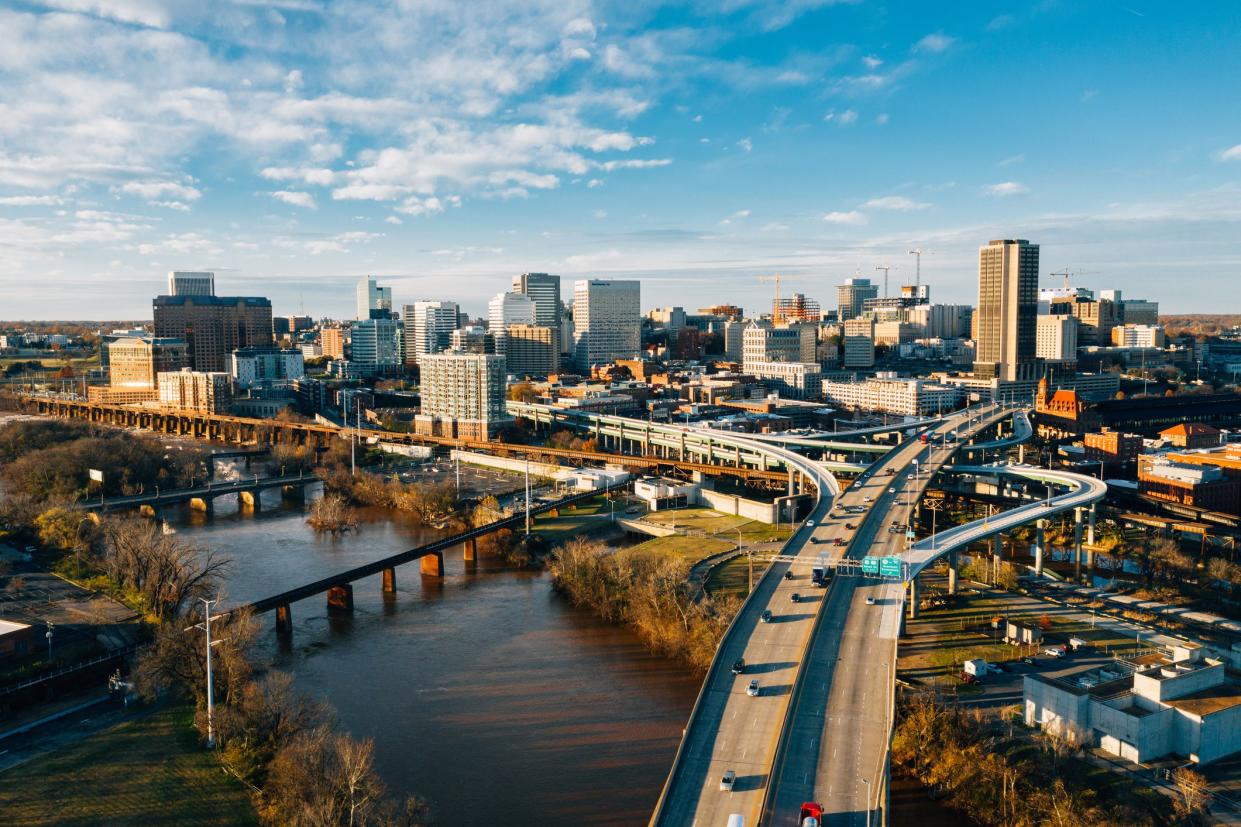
point(736, 820)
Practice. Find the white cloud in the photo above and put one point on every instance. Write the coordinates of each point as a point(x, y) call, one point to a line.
point(600, 214)
point(341, 243)
point(1231, 154)
point(845, 118)
point(737, 216)
point(392, 219)
point(1012, 159)
point(746, 144)
point(852, 217)
point(31, 201)
point(1006, 188)
point(295, 199)
point(635, 163)
point(882, 118)
point(160, 189)
point(897, 203)
point(934, 42)
point(594, 182)
point(179, 206)
point(872, 62)
point(151, 13)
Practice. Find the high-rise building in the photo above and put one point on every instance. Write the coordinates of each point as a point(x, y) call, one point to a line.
point(214, 326)
point(916, 293)
point(1056, 338)
point(428, 328)
point(186, 283)
point(256, 367)
point(531, 350)
point(941, 321)
point(544, 290)
point(671, 318)
point(192, 390)
point(764, 343)
point(506, 309)
point(462, 395)
point(334, 338)
point(375, 349)
point(134, 365)
point(858, 343)
point(373, 301)
point(734, 339)
point(108, 338)
point(607, 322)
point(472, 339)
point(851, 296)
point(1006, 320)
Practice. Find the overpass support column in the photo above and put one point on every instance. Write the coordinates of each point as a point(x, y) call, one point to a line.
point(1021, 453)
point(340, 599)
point(389, 576)
point(913, 598)
point(1040, 539)
point(792, 482)
point(284, 620)
point(249, 498)
point(952, 572)
point(203, 504)
point(433, 565)
point(997, 556)
point(471, 550)
point(1090, 527)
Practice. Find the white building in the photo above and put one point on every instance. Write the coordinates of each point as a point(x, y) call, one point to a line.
point(544, 290)
point(672, 318)
point(428, 328)
point(187, 283)
point(1056, 338)
point(506, 309)
point(253, 367)
point(607, 322)
point(763, 343)
point(372, 297)
point(887, 393)
point(793, 380)
point(376, 348)
point(462, 395)
point(1138, 335)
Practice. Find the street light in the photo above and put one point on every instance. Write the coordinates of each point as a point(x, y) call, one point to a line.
point(50, 628)
point(867, 783)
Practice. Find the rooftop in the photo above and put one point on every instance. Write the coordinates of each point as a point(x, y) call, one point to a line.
point(1208, 701)
point(9, 626)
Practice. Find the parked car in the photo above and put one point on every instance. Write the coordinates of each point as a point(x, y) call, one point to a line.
point(840, 541)
point(739, 666)
point(727, 782)
point(752, 689)
point(795, 597)
point(765, 616)
point(1029, 661)
point(1054, 651)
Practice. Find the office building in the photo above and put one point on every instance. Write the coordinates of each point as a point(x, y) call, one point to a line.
point(888, 394)
point(894, 334)
point(916, 294)
point(508, 309)
point(792, 380)
point(190, 390)
point(1131, 311)
point(265, 367)
point(374, 302)
point(723, 311)
point(764, 343)
point(1138, 335)
point(941, 321)
point(462, 395)
point(186, 283)
point(1095, 318)
point(1111, 449)
point(333, 340)
point(104, 340)
point(858, 343)
point(670, 318)
point(1056, 338)
point(544, 290)
point(734, 339)
point(214, 326)
point(606, 322)
point(851, 297)
point(472, 339)
point(134, 366)
point(428, 328)
point(375, 348)
point(531, 350)
point(1006, 319)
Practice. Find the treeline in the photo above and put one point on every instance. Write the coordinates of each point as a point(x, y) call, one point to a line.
point(433, 505)
point(999, 774)
point(649, 592)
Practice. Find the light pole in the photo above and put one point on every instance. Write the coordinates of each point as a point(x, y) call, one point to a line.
point(867, 783)
point(50, 628)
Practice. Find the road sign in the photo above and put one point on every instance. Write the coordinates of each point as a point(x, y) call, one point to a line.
point(95, 474)
point(889, 567)
point(870, 565)
point(910, 535)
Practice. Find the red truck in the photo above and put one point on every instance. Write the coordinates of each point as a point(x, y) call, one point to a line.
point(810, 814)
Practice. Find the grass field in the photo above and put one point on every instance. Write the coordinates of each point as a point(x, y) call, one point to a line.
point(691, 549)
point(579, 519)
point(714, 522)
point(149, 771)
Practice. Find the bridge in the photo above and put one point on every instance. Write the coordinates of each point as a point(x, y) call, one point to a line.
point(202, 497)
point(339, 587)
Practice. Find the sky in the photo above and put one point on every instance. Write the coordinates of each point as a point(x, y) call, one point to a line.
point(442, 146)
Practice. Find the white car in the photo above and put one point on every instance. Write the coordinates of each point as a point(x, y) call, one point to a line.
point(752, 689)
point(1054, 652)
point(727, 782)
point(870, 601)
point(891, 490)
point(810, 523)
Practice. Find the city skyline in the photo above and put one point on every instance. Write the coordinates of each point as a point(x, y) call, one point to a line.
point(677, 146)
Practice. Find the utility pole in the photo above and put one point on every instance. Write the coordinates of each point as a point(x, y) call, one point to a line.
point(527, 497)
point(206, 627)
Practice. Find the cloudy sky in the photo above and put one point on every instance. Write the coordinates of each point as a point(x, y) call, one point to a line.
point(443, 146)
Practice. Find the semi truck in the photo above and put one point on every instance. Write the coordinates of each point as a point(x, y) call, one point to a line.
point(821, 572)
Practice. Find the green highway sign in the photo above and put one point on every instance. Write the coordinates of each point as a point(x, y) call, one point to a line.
point(870, 565)
point(890, 566)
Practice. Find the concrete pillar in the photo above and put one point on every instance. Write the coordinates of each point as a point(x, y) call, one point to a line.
point(1021, 452)
point(296, 493)
point(1077, 542)
point(952, 572)
point(913, 599)
point(792, 474)
point(1040, 539)
point(340, 599)
point(251, 499)
point(471, 550)
point(997, 553)
point(389, 576)
point(148, 511)
point(284, 619)
point(433, 564)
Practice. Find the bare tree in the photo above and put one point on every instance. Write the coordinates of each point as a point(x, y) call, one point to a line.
point(1191, 787)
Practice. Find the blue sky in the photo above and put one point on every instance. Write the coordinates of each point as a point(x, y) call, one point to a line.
point(444, 146)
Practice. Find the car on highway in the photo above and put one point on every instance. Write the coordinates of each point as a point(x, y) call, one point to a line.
point(967, 678)
point(765, 616)
point(727, 782)
point(752, 689)
point(795, 597)
point(840, 541)
point(788, 575)
point(810, 523)
point(633, 509)
point(850, 526)
point(868, 499)
point(810, 814)
point(870, 601)
point(738, 666)
point(1029, 661)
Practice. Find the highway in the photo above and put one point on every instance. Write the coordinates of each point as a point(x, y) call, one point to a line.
point(839, 724)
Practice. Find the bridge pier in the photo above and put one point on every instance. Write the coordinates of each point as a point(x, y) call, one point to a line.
point(203, 504)
point(997, 556)
point(913, 598)
point(1090, 527)
point(340, 599)
point(294, 493)
point(389, 579)
point(251, 499)
point(284, 619)
point(1040, 539)
point(148, 511)
point(952, 572)
point(470, 548)
point(433, 565)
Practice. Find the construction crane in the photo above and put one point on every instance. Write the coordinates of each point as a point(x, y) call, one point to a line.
point(917, 252)
point(1066, 273)
point(775, 308)
point(885, 268)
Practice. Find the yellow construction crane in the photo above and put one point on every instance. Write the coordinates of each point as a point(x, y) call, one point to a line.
point(775, 308)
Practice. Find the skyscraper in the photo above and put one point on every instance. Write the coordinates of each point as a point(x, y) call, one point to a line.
point(185, 283)
point(851, 295)
point(507, 309)
point(428, 328)
point(544, 290)
point(214, 326)
point(1006, 321)
point(373, 301)
point(462, 395)
point(607, 322)
point(375, 349)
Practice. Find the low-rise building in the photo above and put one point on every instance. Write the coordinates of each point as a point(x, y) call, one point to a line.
point(909, 397)
point(1112, 448)
point(1191, 435)
point(1200, 486)
point(661, 493)
point(16, 639)
point(797, 380)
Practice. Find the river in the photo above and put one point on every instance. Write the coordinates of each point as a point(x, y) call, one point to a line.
point(484, 692)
